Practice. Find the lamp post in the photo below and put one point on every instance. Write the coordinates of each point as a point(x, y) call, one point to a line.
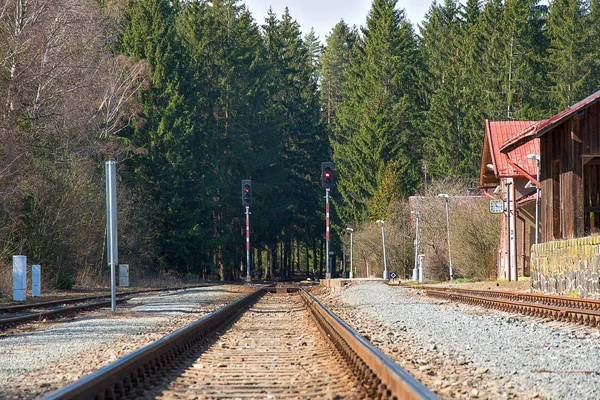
point(385, 270)
point(416, 269)
point(537, 198)
point(446, 198)
point(351, 265)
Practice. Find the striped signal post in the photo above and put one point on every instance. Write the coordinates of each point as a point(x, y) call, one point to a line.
point(247, 202)
point(327, 183)
point(328, 275)
point(248, 278)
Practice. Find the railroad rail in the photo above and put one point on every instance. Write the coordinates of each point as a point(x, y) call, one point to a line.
point(87, 303)
point(560, 308)
point(277, 344)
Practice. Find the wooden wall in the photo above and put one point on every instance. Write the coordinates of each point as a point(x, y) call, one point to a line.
point(563, 151)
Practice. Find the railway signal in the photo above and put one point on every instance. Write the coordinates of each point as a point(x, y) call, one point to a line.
point(246, 192)
point(327, 175)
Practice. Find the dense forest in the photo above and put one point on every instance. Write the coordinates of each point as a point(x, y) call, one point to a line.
point(191, 97)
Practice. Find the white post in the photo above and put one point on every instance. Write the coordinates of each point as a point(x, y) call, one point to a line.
point(111, 227)
point(385, 270)
point(513, 227)
point(421, 258)
point(36, 280)
point(447, 199)
point(19, 278)
point(415, 270)
point(351, 265)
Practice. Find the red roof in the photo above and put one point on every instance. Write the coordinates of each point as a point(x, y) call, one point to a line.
point(497, 133)
point(544, 126)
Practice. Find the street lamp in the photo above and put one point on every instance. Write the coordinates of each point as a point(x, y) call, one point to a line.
point(416, 270)
point(445, 197)
point(537, 198)
point(385, 270)
point(351, 265)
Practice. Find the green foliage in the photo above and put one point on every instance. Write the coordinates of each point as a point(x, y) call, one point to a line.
point(376, 122)
point(63, 279)
point(572, 64)
point(222, 98)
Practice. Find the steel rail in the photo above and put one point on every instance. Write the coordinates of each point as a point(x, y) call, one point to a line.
point(561, 301)
point(391, 381)
point(138, 367)
point(22, 307)
point(55, 313)
point(584, 316)
point(379, 374)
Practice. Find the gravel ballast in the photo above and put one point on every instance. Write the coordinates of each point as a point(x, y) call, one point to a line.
point(531, 358)
point(37, 358)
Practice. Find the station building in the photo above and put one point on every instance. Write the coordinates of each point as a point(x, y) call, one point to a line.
point(567, 261)
point(511, 177)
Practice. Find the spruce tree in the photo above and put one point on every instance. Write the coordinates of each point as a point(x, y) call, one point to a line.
point(335, 63)
point(376, 123)
point(570, 55)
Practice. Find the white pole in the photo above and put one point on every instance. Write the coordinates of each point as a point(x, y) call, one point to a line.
point(513, 223)
point(351, 265)
point(449, 252)
point(421, 257)
point(385, 270)
point(111, 227)
point(415, 270)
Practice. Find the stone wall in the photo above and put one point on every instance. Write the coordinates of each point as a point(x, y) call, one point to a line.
point(567, 267)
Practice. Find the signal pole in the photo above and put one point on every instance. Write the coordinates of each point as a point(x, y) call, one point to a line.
point(328, 274)
point(246, 202)
point(248, 278)
point(327, 183)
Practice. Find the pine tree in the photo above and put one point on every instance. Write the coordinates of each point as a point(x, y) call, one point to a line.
point(570, 56)
point(376, 123)
point(441, 47)
point(335, 63)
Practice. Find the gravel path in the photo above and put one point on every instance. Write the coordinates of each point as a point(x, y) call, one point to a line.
point(37, 358)
point(521, 356)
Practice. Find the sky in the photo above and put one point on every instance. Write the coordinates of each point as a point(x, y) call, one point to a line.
point(322, 15)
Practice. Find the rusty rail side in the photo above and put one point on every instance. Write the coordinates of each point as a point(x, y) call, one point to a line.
point(4, 322)
point(561, 301)
point(584, 316)
point(382, 375)
point(133, 369)
point(14, 308)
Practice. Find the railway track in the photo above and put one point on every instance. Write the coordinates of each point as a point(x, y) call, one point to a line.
point(265, 345)
point(559, 308)
point(56, 308)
